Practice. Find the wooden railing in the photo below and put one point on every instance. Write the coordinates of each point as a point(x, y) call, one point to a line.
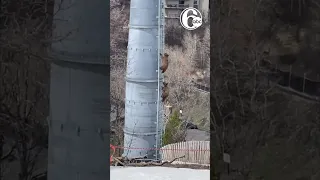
point(291, 83)
point(195, 152)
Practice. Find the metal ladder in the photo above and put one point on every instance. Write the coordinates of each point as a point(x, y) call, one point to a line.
point(160, 111)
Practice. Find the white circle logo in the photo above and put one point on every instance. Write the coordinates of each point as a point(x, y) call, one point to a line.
point(196, 18)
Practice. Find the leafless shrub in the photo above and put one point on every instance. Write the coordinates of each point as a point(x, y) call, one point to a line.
point(119, 30)
point(198, 49)
point(119, 20)
point(173, 33)
point(117, 135)
point(117, 92)
point(182, 73)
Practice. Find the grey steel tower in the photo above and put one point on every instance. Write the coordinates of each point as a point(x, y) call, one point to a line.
point(79, 92)
point(143, 107)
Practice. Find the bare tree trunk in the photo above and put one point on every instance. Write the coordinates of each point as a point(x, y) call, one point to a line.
point(1, 155)
point(23, 175)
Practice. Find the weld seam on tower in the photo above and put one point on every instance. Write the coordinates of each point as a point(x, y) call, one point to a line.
point(141, 80)
point(85, 58)
point(136, 133)
point(141, 27)
point(139, 102)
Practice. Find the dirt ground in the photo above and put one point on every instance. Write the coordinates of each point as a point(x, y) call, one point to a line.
point(190, 166)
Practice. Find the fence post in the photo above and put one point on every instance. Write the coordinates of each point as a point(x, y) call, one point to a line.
point(304, 82)
point(168, 111)
point(290, 76)
point(167, 114)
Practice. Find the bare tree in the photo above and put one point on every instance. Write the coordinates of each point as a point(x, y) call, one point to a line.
point(26, 35)
point(23, 110)
point(239, 88)
point(251, 118)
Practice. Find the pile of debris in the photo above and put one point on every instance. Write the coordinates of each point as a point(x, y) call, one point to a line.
point(124, 161)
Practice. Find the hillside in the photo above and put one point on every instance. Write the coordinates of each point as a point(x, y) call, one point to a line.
point(270, 133)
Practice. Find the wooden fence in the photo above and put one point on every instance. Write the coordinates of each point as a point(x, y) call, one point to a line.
point(196, 152)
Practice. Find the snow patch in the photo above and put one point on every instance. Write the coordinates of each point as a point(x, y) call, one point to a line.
point(157, 173)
